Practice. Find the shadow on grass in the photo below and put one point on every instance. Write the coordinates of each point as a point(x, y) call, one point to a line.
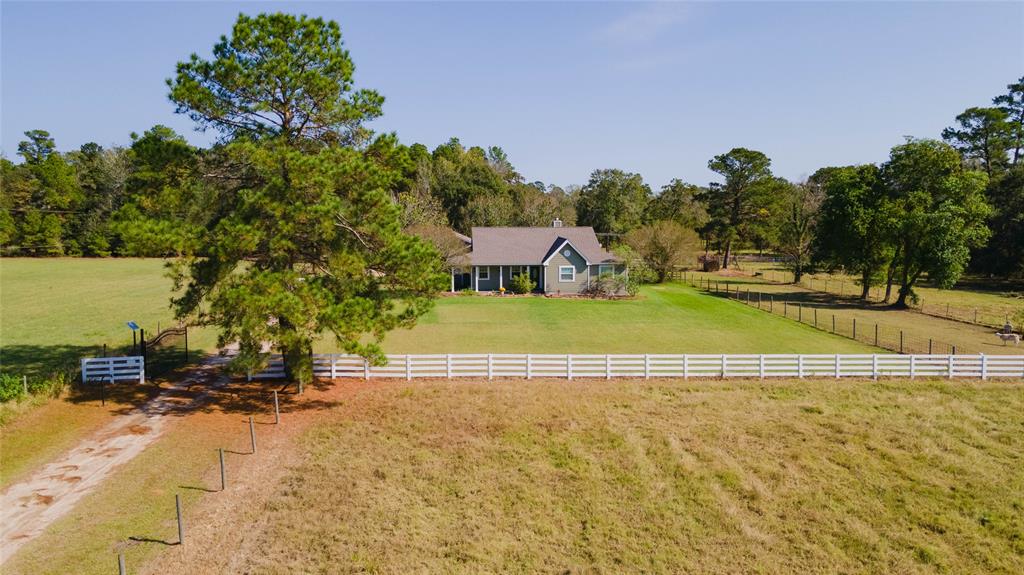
point(152, 540)
point(197, 387)
point(198, 488)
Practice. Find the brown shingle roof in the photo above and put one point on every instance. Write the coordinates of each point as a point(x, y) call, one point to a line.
point(529, 246)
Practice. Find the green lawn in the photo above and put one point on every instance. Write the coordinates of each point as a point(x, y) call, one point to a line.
point(54, 311)
point(669, 318)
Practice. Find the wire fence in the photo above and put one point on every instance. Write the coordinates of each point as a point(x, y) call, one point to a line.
point(847, 287)
point(826, 319)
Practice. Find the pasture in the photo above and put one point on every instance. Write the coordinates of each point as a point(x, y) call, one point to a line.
point(557, 476)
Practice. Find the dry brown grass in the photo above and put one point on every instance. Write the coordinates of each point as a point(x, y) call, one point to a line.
point(610, 477)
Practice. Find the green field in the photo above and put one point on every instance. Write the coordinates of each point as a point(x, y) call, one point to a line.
point(669, 318)
point(54, 311)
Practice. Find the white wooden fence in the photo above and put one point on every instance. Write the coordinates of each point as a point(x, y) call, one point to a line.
point(111, 369)
point(529, 366)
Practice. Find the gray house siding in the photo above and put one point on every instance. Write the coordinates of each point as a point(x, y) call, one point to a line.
point(551, 275)
point(619, 269)
point(490, 284)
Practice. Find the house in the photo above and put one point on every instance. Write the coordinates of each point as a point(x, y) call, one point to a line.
point(558, 259)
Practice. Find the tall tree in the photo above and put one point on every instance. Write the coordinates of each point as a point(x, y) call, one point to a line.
point(798, 224)
point(1003, 255)
point(941, 209)
point(304, 237)
point(855, 223)
point(680, 202)
point(982, 136)
point(613, 201)
point(1012, 104)
point(746, 196)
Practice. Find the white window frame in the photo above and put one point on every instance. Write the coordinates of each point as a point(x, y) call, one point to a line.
point(602, 267)
point(483, 273)
point(561, 276)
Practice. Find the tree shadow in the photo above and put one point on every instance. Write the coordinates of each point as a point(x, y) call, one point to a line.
point(204, 388)
point(152, 540)
point(198, 488)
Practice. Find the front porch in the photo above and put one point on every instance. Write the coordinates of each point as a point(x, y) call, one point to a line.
point(494, 278)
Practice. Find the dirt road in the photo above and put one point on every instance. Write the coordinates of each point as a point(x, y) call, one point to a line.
point(28, 507)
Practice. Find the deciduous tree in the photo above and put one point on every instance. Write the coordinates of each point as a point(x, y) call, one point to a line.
point(748, 195)
point(665, 245)
point(613, 201)
point(942, 211)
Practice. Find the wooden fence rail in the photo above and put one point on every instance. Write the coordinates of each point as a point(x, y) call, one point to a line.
point(529, 366)
point(111, 369)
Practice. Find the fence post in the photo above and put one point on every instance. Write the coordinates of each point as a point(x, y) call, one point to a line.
point(800, 366)
point(490, 366)
point(874, 366)
point(725, 362)
point(686, 366)
point(836, 364)
point(334, 365)
point(277, 409)
point(984, 367)
point(975, 315)
point(607, 366)
point(800, 312)
point(252, 435)
point(408, 367)
point(854, 328)
point(223, 472)
point(833, 323)
point(121, 569)
point(929, 346)
point(448, 366)
point(815, 317)
point(529, 366)
point(568, 365)
point(949, 367)
point(901, 341)
point(761, 366)
point(647, 366)
point(366, 369)
point(771, 304)
point(876, 335)
point(912, 365)
point(181, 524)
point(24, 384)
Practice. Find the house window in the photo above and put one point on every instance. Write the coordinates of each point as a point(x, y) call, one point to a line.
point(605, 269)
point(483, 273)
point(566, 273)
point(513, 271)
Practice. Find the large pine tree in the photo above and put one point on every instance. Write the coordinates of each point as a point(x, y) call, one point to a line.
point(302, 237)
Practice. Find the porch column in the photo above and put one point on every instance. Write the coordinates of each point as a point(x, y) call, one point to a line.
point(476, 278)
point(501, 281)
point(453, 279)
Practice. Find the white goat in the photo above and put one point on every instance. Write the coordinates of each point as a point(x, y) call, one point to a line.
point(1015, 338)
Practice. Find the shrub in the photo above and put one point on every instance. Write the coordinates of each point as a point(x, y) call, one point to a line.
point(522, 284)
point(10, 387)
point(607, 285)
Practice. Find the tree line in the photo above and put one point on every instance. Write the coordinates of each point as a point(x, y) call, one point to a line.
point(935, 209)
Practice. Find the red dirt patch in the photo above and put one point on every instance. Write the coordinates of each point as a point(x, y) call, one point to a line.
point(139, 429)
point(44, 499)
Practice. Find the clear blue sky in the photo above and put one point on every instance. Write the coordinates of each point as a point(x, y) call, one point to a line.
point(563, 88)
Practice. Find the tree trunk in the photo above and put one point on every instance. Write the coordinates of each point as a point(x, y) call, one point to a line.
point(728, 253)
point(865, 285)
point(889, 276)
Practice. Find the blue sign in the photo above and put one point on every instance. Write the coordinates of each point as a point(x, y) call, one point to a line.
point(133, 325)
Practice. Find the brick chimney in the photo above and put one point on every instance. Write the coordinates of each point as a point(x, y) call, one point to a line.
point(556, 223)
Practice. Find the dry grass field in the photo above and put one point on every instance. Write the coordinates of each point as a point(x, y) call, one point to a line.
point(620, 477)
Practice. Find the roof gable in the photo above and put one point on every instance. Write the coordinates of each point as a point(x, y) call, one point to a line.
point(556, 247)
